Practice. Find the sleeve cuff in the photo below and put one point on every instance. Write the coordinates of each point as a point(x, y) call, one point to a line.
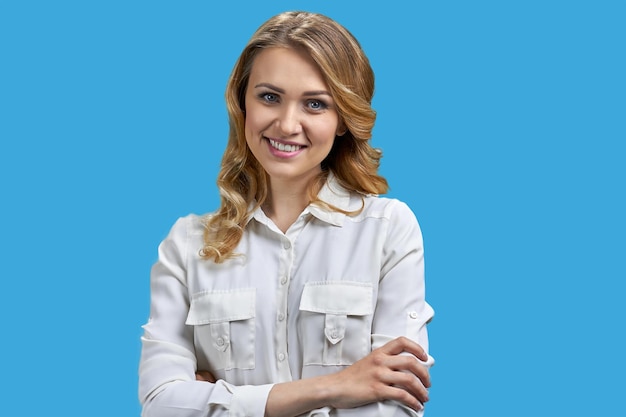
point(249, 400)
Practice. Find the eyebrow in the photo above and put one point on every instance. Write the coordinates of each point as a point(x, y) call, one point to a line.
point(281, 91)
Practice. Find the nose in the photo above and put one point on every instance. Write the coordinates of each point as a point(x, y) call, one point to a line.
point(288, 121)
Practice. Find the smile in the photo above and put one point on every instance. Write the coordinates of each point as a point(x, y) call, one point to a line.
point(284, 147)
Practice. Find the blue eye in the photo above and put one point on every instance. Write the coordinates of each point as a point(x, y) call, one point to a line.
point(268, 97)
point(317, 105)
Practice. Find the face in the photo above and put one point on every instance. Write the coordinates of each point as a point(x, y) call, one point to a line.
point(291, 119)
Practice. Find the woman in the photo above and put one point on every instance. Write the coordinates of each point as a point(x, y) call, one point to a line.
point(304, 292)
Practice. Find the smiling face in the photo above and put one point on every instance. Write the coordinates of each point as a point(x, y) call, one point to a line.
point(290, 120)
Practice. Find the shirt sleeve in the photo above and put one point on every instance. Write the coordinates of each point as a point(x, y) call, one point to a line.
point(401, 308)
point(167, 367)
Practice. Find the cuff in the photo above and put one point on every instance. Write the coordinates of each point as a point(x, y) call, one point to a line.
point(320, 412)
point(249, 400)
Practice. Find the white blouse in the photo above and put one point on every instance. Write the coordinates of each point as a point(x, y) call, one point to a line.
point(294, 305)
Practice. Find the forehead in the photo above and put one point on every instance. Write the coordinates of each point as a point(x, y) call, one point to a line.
point(285, 67)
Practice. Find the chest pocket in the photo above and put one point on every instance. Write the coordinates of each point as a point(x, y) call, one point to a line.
point(336, 321)
point(224, 327)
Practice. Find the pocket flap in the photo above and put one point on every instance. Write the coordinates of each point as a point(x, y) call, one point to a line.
point(220, 306)
point(338, 297)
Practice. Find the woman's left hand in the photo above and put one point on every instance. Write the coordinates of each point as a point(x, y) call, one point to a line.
point(205, 376)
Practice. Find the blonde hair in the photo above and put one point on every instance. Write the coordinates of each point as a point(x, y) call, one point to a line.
point(242, 182)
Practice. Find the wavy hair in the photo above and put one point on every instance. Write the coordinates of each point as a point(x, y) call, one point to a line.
point(242, 182)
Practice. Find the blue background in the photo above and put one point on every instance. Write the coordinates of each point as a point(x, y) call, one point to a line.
point(502, 125)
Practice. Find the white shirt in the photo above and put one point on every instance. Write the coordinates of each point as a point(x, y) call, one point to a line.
point(303, 303)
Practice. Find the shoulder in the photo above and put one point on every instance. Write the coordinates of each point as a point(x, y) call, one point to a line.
point(187, 233)
point(189, 225)
point(185, 237)
point(401, 229)
point(390, 209)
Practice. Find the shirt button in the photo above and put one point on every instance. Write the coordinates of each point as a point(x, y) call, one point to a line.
point(283, 280)
point(281, 357)
point(286, 244)
point(334, 335)
point(413, 314)
point(220, 342)
point(281, 317)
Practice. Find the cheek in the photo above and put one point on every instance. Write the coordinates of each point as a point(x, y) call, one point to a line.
point(250, 127)
point(326, 130)
point(256, 119)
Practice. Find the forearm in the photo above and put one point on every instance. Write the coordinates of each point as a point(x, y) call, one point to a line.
point(201, 399)
point(396, 371)
point(290, 399)
point(168, 386)
point(186, 398)
point(300, 397)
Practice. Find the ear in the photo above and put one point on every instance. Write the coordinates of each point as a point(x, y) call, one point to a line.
point(341, 129)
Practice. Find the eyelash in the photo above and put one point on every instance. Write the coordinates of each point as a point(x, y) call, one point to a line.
point(265, 97)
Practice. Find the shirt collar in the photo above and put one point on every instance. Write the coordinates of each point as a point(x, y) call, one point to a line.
point(335, 195)
point(332, 193)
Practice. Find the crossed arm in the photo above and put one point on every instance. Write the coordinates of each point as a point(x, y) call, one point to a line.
point(387, 373)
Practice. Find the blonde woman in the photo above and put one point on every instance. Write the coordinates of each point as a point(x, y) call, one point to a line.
point(303, 294)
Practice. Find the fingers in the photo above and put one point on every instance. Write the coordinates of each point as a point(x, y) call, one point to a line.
point(409, 365)
point(205, 376)
point(391, 372)
point(402, 396)
point(392, 354)
point(406, 373)
point(410, 384)
point(404, 344)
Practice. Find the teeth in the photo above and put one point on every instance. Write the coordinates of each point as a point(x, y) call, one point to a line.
point(284, 148)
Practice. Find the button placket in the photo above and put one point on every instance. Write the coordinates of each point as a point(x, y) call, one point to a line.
point(286, 260)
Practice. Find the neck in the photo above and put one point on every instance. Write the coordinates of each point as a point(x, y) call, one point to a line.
point(285, 202)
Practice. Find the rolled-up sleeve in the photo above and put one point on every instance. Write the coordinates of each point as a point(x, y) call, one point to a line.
point(167, 384)
point(401, 307)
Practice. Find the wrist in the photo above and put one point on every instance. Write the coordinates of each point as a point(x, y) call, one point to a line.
point(301, 396)
point(328, 388)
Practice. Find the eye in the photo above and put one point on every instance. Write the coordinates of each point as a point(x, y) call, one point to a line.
point(316, 105)
point(269, 97)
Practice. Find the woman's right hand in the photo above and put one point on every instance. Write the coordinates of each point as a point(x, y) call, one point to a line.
point(384, 374)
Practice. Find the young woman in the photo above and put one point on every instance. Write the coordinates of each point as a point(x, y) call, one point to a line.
point(303, 294)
